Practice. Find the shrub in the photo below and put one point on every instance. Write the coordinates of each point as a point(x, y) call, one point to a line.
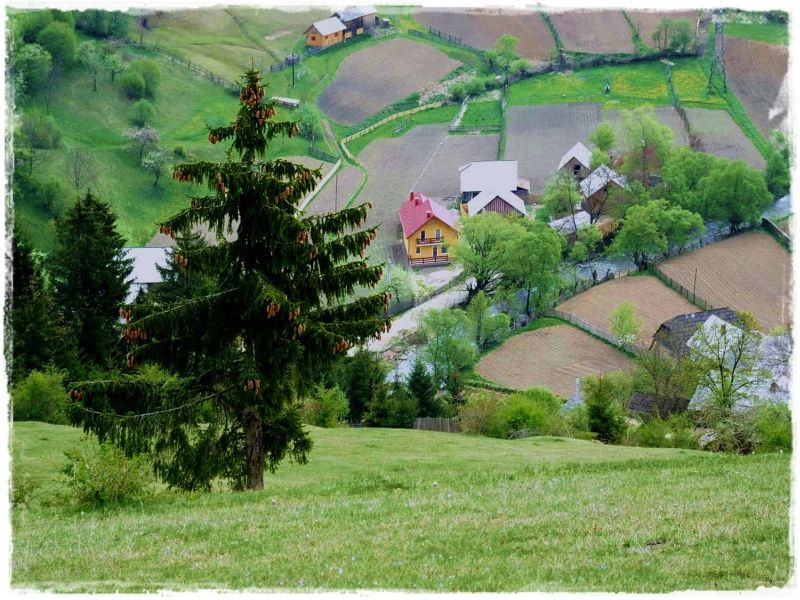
point(458, 92)
point(675, 432)
point(534, 412)
point(576, 421)
point(60, 41)
point(102, 474)
point(143, 113)
point(150, 73)
point(179, 152)
point(603, 411)
point(327, 407)
point(475, 87)
point(475, 413)
point(773, 427)
point(40, 397)
point(133, 85)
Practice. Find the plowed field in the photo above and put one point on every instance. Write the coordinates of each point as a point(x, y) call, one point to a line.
point(654, 301)
point(379, 75)
point(441, 178)
point(750, 271)
point(480, 28)
point(646, 21)
point(552, 357)
point(721, 136)
point(757, 73)
point(336, 194)
point(595, 31)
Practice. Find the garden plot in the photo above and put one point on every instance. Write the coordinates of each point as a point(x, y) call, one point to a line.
point(440, 177)
point(654, 302)
point(481, 27)
point(337, 191)
point(750, 271)
point(381, 74)
point(757, 74)
point(721, 136)
point(594, 31)
point(646, 21)
point(551, 357)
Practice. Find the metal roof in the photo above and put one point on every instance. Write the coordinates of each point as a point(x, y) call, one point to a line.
point(479, 202)
point(579, 152)
point(328, 26)
point(145, 261)
point(484, 175)
point(354, 12)
point(599, 178)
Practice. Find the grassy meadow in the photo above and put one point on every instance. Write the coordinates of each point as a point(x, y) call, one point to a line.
point(412, 510)
point(769, 33)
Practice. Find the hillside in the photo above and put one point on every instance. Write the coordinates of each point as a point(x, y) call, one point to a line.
point(412, 510)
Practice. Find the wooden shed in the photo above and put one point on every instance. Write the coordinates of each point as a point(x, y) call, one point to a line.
point(325, 33)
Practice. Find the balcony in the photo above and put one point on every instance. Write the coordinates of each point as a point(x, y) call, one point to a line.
point(431, 260)
point(430, 241)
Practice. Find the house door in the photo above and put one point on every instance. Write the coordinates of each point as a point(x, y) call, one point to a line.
point(435, 252)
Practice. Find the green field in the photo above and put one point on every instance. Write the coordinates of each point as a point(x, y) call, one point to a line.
point(769, 33)
point(411, 510)
point(482, 114)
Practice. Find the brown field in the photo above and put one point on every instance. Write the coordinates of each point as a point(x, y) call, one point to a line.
point(377, 76)
point(750, 271)
point(440, 178)
point(654, 301)
point(328, 200)
point(480, 28)
point(646, 21)
point(757, 74)
point(595, 31)
point(537, 136)
point(552, 357)
point(721, 136)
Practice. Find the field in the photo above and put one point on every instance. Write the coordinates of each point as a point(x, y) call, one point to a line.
point(646, 21)
point(551, 357)
point(335, 194)
point(721, 136)
point(556, 128)
point(440, 177)
point(594, 31)
point(482, 114)
point(758, 75)
point(769, 33)
point(480, 28)
point(654, 301)
point(750, 271)
point(371, 79)
point(412, 510)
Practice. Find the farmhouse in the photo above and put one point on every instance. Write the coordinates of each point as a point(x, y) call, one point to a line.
point(325, 33)
point(491, 175)
point(577, 160)
point(145, 272)
point(357, 19)
point(428, 230)
point(674, 335)
point(505, 203)
point(597, 186)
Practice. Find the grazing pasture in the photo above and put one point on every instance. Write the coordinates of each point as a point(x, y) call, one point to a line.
point(646, 21)
point(749, 271)
point(551, 357)
point(416, 510)
point(721, 136)
point(379, 75)
point(337, 191)
point(481, 27)
point(758, 75)
point(654, 301)
point(594, 31)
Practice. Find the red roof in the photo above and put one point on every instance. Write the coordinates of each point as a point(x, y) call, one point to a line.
point(419, 209)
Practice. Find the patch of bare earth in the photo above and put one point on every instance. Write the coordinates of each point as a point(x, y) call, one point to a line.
point(337, 191)
point(721, 136)
point(551, 357)
point(646, 21)
point(594, 31)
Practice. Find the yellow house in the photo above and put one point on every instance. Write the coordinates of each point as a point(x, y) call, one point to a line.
point(429, 230)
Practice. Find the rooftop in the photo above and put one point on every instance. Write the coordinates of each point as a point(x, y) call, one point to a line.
point(418, 209)
point(354, 12)
point(328, 26)
point(480, 201)
point(489, 175)
point(599, 178)
point(579, 152)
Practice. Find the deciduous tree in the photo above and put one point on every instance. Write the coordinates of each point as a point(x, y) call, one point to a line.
point(532, 260)
point(487, 327)
point(625, 324)
point(91, 59)
point(448, 349)
point(80, 168)
point(155, 161)
point(735, 194)
point(142, 138)
point(59, 40)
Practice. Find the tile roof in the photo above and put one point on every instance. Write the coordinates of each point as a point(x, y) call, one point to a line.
point(601, 176)
point(489, 175)
point(328, 26)
point(419, 209)
point(579, 152)
point(480, 201)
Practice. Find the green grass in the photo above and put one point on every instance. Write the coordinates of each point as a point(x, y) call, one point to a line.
point(769, 33)
point(691, 85)
point(412, 510)
point(631, 86)
point(482, 114)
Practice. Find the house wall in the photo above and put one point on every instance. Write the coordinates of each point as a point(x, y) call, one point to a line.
point(583, 172)
point(313, 38)
point(588, 204)
point(449, 236)
point(499, 205)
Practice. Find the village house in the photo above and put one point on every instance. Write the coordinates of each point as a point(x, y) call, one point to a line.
point(577, 161)
point(145, 269)
point(429, 229)
point(674, 335)
point(492, 186)
point(597, 187)
point(325, 33)
point(341, 26)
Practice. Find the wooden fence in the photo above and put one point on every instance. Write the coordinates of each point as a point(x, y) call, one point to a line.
point(770, 226)
point(390, 118)
point(437, 424)
point(399, 307)
point(594, 330)
point(230, 85)
point(690, 296)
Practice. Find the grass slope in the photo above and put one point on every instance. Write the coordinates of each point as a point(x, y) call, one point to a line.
point(769, 33)
point(411, 510)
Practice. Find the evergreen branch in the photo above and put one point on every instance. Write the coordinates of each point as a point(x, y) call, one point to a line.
point(148, 414)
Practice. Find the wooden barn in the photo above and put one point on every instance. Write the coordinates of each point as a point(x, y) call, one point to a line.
point(674, 335)
point(505, 203)
point(429, 229)
point(325, 33)
point(596, 188)
point(357, 19)
point(577, 161)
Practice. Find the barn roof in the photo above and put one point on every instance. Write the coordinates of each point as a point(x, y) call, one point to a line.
point(600, 177)
point(354, 12)
point(483, 175)
point(145, 261)
point(480, 201)
point(419, 209)
point(645, 404)
point(328, 26)
point(676, 333)
point(579, 152)
point(565, 225)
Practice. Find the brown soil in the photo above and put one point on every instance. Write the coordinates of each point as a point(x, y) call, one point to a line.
point(595, 31)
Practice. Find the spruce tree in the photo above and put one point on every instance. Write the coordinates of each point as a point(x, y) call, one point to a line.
point(423, 389)
point(234, 361)
point(90, 276)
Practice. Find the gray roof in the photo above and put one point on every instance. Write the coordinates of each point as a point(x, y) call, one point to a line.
point(579, 152)
point(675, 334)
point(484, 175)
point(599, 178)
point(328, 26)
point(145, 261)
point(480, 201)
point(565, 225)
point(354, 12)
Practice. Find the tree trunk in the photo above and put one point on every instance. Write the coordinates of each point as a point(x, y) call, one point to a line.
point(254, 442)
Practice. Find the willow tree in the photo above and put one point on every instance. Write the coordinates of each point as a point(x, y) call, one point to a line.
point(234, 359)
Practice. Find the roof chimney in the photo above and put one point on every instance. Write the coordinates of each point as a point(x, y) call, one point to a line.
point(428, 214)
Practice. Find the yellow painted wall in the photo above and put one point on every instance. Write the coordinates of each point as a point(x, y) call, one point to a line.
point(449, 235)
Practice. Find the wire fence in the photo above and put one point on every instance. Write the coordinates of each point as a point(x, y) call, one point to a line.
point(690, 296)
point(595, 331)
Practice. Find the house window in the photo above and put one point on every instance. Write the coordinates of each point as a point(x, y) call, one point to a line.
point(576, 169)
point(438, 234)
point(422, 234)
point(418, 250)
point(444, 249)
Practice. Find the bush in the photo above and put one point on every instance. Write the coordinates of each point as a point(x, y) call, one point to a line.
point(773, 427)
point(179, 152)
point(675, 432)
point(534, 412)
point(458, 92)
point(475, 413)
point(40, 397)
point(133, 85)
point(143, 113)
point(475, 86)
point(150, 73)
point(59, 40)
point(327, 407)
point(102, 474)
point(603, 411)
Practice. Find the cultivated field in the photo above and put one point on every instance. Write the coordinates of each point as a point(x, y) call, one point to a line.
point(757, 74)
point(721, 136)
point(336, 192)
point(551, 357)
point(646, 21)
point(537, 136)
point(750, 271)
point(595, 31)
point(377, 76)
point(480, 28)
point(654, 301)
point(440, 177)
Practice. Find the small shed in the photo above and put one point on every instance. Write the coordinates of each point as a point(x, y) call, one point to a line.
point(502, 202)
point(290, 102)
point(596, 187)
point(577, 161)
point(325, 32)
